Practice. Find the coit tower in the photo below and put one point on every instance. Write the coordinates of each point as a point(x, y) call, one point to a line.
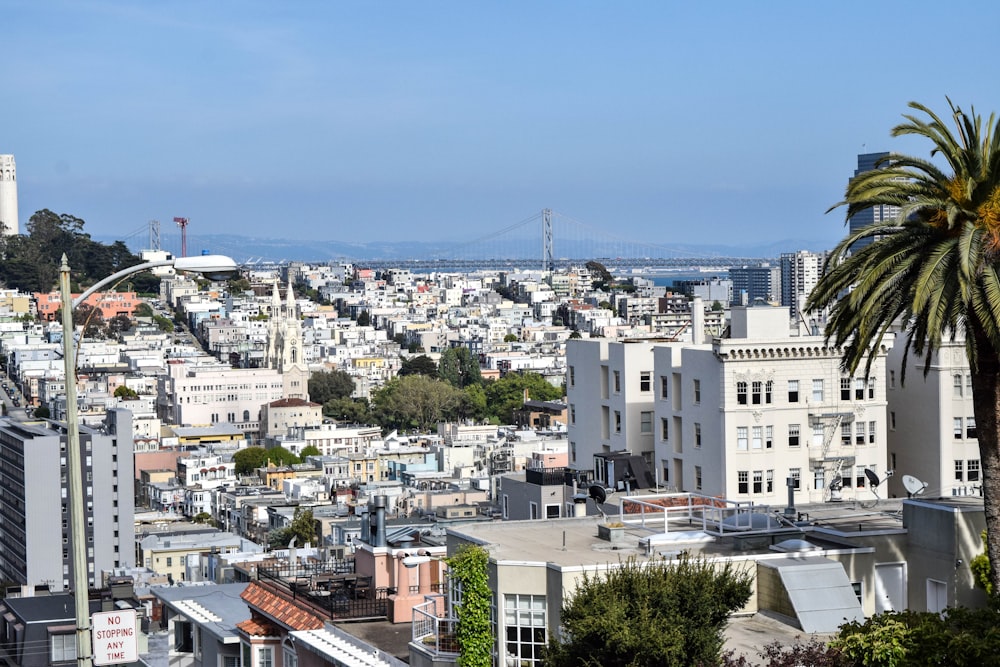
point(8, 195)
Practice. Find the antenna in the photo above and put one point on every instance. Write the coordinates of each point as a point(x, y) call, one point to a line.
point(183, 224)
point(913, 486)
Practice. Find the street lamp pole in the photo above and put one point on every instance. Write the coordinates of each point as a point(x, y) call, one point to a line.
point(74, 464)
point(216, 267)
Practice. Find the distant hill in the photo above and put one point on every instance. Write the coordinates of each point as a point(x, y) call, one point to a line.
point(244, 249)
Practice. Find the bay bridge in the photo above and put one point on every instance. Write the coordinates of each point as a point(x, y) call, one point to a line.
point(545, 240)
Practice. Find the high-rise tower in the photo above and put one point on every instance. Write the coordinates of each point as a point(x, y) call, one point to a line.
point(868, 162)
point(8, 195)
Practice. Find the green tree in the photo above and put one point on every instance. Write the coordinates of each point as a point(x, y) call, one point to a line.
point(419, 365)
point(506, 395)
point(248, 459)
point(980, 566)
point(203, 517)
point(364, 319)
point(935, 269)
point(121, 391)
point(600, 277)
point(416, 401)
point(459, 368)
point(657, 613)
point(510, 338)
point(717, 306)
point(474, 403)
point(41, 412)
point(280, 456)
point(327, 385)
point(303, 528)
point(164, 324)
point(474, 634)
point(348, 410)
point(309, 450)
point(143, 310)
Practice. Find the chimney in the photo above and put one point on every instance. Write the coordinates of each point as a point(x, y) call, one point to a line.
point(378, 503)
point(697, 321)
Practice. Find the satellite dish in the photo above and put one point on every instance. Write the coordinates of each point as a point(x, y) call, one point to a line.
point(598, 494)
point(872, 477)
point(913, 486)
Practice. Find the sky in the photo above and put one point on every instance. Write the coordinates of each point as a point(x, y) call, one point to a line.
point(675, 122)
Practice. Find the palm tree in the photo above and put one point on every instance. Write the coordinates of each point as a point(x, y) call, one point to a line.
point(933, 272)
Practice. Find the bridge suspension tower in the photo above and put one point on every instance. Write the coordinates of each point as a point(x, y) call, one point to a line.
point(548, 254)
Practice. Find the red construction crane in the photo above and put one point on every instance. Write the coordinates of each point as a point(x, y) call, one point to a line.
point(183, 224)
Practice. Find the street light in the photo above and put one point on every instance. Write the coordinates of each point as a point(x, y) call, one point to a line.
point(214, 267)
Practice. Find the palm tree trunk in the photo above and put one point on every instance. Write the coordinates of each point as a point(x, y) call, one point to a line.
point(986, 406)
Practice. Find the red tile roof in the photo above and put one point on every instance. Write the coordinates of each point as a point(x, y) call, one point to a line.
point(259, 627)
point(276, 604)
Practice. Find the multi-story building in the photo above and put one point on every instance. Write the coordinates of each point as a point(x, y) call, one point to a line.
point(869, 216)
point(193, 394)
point(740, 416)
point(758, 283)
point(35, 537)
point(800, 271)
point(609, 387)
point(932, 427)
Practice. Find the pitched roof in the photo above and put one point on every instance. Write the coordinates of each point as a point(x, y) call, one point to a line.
point(281, 607)
point(259, 627)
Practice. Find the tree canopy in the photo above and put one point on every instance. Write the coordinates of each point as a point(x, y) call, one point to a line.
point(419, 365)
point(459, 368)
point(249, 459)
point(506, 395)
point(302, 528)
point(328, 385)
point(659, 613)
point(934, 268)
point(416, 402)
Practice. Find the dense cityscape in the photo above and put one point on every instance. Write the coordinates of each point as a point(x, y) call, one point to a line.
point(297, 457)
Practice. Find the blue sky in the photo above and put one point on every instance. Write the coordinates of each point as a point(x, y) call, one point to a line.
point(676, 122)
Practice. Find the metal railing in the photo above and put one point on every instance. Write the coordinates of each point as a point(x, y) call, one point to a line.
point(436, 634)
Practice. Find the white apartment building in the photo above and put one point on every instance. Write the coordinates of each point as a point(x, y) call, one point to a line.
point(215, 393)
point(800, 271)
point(932, 426)
point(609, 388)
point(739, 416)
point(735, 417)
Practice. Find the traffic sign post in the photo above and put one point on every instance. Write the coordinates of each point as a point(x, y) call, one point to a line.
point(115, 637)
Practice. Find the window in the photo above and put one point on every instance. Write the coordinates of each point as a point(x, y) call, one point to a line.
point(743, 481)
point(697, 435)
point(973, 470)
point(768, 437)
point(892, 420)
point(265, 656)
point(892, 379)
point(871, 388)
point(859, 389)
point(741, 438)
point(795, 474)
point(645, 422)
point(758, 481)
point(793, 435)
point(758, 437)
point(524, 621)
point(741, 393)
point(768, 391)
point(871, 434)
point(958, 384)
point(957, 428)
point(572, 413)
point(818, 436)
point(618, 381)
point(845, 389)
point(819, 479)
point(793, 391)
point(756, 388)
point(845, 434)
point(769, 477)
point(697, 478)
point(968, 384)
point(664, 385)
point(645, 381)
point(959, 471)
point(288, 658)
point(860, 479)
point(572, 376)
point(859, 433)
point(697, 391)
point(818, 390)
point(170, 561)
point(970, 428)
point(664, 428)
point(63, 647)
point(618, 421)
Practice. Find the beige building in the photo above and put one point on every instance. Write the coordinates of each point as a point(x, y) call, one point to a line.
point(287, 415)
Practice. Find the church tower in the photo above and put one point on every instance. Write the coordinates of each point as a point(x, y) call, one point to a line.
point(284, 344)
